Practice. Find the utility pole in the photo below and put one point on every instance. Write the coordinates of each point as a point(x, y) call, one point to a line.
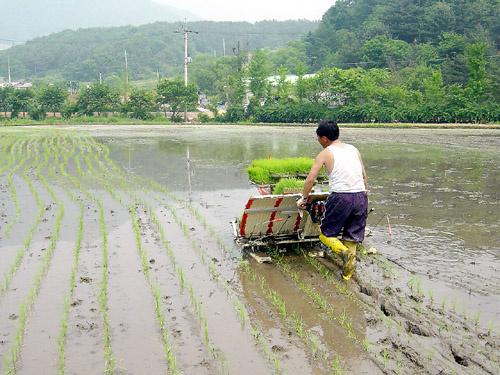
point(126, 68)
point(187, 59)
point(8, 68)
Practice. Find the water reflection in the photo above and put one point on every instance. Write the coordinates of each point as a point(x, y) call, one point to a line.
point(440, 188)
point(422, 179)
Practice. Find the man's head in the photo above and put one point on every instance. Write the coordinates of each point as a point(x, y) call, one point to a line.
point(328, 129)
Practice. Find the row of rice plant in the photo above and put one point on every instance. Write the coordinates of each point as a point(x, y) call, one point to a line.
point(154, 286)
point(50, 148)
point(330, 313)
point(13, 170)
point(238, 305)
point(14, 266)
point(27, 305)
point(224, 285)
point(171, 359)
point(329, 360)
point(61, 340)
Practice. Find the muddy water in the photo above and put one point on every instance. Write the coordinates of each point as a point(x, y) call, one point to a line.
point(440, 189)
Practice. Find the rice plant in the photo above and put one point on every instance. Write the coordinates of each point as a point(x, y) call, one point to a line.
point(288, 185)
point(270, 170)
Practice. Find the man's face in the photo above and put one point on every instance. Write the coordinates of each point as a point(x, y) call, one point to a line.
point(323, 141)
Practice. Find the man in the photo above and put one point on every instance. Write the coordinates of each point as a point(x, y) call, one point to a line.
point(346, 208)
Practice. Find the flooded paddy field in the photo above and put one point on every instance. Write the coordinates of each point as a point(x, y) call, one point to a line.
point(116, 256)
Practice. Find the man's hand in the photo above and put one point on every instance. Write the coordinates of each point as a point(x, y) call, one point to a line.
point(301, 203)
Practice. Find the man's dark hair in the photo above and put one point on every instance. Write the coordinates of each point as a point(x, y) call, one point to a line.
point(329, 129)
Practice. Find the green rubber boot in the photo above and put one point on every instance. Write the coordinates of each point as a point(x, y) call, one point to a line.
point(349, 259)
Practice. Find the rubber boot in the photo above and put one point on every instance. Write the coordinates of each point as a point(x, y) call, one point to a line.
point(333, 243)
point(349, 259)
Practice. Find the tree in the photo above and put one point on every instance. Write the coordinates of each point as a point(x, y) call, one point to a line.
point(382, 52)
point(23, 98)
point(283, 87)
point(258, 72)
point(141, 103)
point(176, 95)
point(300, 85)
point(97, 97)
point(234, 89)
point(5, 94)
point(476, 64)
point(52, 97)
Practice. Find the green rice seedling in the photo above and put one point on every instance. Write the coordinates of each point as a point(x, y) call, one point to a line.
point(299, 324)
point(476, 318)
point(207, 338)
point(288, 185)
point(343, 317)
point(276, 361)
point(490, 328)
point(454, 305)
point(240, 309)
point(389, 323)
point(384, 357)
point(399, 364)
point(444, 303)
point(431, 296)
point(419, 287)
point(430, 354)
point(411, 282)
point(366, 344)
point(408, 336)
point(285, 166)
point(337, 366)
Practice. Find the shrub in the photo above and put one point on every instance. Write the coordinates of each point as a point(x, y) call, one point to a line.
point(203, 118)
point(37, 113)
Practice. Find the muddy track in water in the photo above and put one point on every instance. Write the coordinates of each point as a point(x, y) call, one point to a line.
point(157, 289)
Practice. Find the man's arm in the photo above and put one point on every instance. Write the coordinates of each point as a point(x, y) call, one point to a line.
point(311, 178)
point(365, 179)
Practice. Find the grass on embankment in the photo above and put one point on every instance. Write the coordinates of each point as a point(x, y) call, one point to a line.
point(120, 120)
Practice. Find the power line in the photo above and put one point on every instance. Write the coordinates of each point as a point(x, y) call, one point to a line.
point(230, 33)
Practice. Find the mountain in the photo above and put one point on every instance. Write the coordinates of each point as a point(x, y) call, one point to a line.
point(350, 26)
point(22, 20)
point(84, 54)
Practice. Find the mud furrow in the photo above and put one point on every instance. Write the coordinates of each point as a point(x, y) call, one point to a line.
point(84, 345)
point(236, 344)
point(136, 340)
point(185, 337)
point(41, 351)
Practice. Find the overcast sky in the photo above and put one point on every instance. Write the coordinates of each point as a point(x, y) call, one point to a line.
point(253, 10)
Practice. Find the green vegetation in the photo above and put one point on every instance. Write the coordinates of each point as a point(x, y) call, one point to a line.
point(55, 163)
point(272, 169)
point(153, 49)
point(285, 185)
point(367, 62)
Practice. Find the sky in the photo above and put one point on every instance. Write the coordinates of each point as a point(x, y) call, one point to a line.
point(253, 10)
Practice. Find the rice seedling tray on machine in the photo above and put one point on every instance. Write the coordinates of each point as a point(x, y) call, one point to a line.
point(273, 220)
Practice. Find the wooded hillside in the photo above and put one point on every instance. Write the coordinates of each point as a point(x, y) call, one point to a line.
point(398, 33)
point(82, 55)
